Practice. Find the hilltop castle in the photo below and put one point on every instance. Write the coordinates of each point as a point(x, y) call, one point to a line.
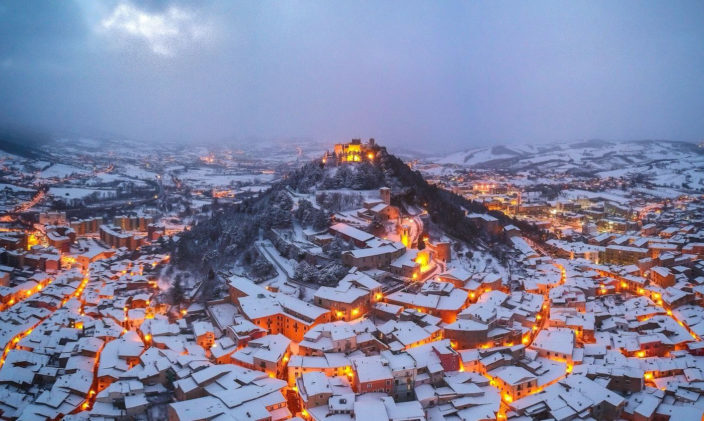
point(354, 151)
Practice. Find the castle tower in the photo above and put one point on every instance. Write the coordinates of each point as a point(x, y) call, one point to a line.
point(385, 194)
point(406, 235)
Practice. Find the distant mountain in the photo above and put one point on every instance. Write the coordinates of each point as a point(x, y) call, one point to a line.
point(21, 142)
point(596, 156)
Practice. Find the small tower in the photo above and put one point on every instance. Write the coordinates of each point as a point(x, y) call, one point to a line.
point(385, 194)
point(406, 235)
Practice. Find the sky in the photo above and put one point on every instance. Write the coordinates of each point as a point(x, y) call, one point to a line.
point(435, 76)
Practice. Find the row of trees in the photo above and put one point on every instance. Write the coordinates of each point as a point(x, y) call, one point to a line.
point(328, 274)
point(310, 216)
point(362, 176)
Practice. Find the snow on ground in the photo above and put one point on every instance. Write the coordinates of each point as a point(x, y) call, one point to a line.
point(61, 171)
point(621, 172)
point(438, 170)
point(209, 178)
point(662, 193)
point(77, 193)
point(577, 194)
point(473, 156)
point(137, 172)
point(613, 159)
point(11, 157)
point(14, 188)
point(106, 178)
point(480, 262)
point(694, 178)
point(254, 189)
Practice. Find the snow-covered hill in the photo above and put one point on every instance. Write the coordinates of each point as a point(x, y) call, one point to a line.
point(596, 156)
point(666, 163)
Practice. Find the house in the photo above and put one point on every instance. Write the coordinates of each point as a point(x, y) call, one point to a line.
point(268, 354)
point(204, 333)
point(555, 343)
point(371, 374)
point(276, 312)
point(514, 382)
point(662, 276)
point(351, 234)
point(353, 296)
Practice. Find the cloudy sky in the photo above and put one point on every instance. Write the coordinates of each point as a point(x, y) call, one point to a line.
point(441, 75)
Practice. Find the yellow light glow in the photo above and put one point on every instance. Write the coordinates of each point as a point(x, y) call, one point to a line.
point(422, 259)
point(32, 240)
point(404, 239)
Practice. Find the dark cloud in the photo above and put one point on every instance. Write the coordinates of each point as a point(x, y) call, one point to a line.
point(454, 74)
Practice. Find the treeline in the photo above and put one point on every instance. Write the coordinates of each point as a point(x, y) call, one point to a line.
point(362, 176)
point(232, 230)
